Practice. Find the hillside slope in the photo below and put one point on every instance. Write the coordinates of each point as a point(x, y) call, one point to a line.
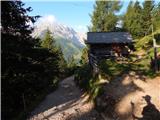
point(144, 46)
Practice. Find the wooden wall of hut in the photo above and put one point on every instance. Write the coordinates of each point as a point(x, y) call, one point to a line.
point(109, 49)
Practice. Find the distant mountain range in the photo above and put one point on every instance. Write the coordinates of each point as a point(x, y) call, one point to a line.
point(66, 37)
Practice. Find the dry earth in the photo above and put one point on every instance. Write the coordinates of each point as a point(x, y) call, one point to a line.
point(66, 103)
point(130, 88)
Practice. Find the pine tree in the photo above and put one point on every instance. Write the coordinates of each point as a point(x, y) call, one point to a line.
point(147, 15)
point(156, 16)
point(27, 68)
point(137, 20)
point(103, 17)
point(84, 57)
point(98, 16)
point(62, 62)
point(133, 19)
point(48, 41)
point(128, 17)
point(17, 44)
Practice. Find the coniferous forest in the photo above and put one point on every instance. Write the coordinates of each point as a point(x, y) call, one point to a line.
point(29, 67)
point(33, 67)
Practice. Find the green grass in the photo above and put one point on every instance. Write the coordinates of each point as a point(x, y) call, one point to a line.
point(87, 81)
point(112, 69)
point(69, 49)
point(145, 45)
point(145, 42)
point(151, 52)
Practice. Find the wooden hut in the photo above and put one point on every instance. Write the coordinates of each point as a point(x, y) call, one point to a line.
point(108, 44)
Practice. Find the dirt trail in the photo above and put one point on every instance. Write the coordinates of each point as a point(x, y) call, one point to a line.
point(131, 88)
point(66, 103)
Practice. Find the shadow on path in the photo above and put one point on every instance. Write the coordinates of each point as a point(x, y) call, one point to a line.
point(66, 103)
point(150, 112)
point(65, 95)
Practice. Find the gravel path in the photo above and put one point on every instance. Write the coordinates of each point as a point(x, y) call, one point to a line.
point(66, 103)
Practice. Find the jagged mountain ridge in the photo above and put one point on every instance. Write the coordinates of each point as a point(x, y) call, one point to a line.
point(66, 37)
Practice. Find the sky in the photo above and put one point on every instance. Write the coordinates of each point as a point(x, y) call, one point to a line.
point(74, 14)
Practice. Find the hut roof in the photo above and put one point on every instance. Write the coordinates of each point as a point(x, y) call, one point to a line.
point(108, 37)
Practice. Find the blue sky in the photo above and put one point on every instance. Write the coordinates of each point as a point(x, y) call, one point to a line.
point(71, 13)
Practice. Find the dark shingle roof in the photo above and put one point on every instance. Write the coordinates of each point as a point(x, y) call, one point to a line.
point(108, 37)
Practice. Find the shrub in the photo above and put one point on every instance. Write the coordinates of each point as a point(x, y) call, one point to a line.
point(87, 81)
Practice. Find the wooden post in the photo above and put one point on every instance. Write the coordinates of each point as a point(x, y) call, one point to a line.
point(24, 103)
point(155, 51)
point(155, 58)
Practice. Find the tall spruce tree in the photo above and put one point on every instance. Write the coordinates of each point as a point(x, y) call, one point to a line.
point(137, 20)
point(84, 57)
point(49, 43)
point(27, 69)
point(148, 6)
point(156, 16)
point(103, 17)
point(128, 17)
point(16, 61)
point(133, 19)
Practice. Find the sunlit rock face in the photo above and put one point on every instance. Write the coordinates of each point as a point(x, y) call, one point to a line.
point(70, 41)
point(58, 29)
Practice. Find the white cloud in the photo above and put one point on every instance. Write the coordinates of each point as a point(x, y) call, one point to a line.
point(56, 0)
point(52, 20)
point(80, 28)
point(49, 18)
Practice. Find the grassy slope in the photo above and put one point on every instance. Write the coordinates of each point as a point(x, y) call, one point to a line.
point(69, 49)
point(144, 51)
point(145, 44)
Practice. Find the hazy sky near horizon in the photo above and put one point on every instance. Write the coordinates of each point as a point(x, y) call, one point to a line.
point(74, 14)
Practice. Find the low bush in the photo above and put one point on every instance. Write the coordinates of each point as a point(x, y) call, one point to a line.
point(87, 81)
point(111, 69)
